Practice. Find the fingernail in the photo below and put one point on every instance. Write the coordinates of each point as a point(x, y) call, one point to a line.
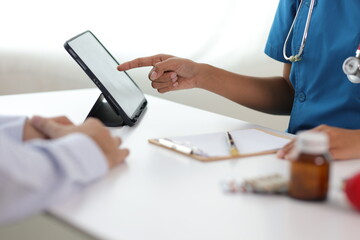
point(175, 84)
point(173, 75)
point(153, 75)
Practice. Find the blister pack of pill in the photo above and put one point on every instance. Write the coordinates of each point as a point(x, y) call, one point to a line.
point(270, 184)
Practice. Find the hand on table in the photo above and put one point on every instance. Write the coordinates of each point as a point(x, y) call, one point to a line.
point(30, 132)
point(93, 128)
point(343, 143)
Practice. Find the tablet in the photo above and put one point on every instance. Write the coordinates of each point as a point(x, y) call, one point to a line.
point(120, 91)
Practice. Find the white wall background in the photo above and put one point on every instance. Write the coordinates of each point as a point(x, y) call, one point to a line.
point(226, 33)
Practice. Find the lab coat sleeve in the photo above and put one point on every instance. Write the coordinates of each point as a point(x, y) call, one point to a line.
point(12, 126)
point(38, 173)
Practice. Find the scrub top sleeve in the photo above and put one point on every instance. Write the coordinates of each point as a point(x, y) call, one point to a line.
point(283, 19)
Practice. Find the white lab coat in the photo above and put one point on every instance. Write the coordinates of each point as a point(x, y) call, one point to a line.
point(38, 173)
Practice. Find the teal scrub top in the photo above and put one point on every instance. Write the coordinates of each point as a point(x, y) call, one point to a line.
point(323, 95)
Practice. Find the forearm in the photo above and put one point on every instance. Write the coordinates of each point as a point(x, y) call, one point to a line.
point(271, 95)
point(39, 173)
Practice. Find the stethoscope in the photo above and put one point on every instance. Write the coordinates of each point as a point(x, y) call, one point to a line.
point(351, 65)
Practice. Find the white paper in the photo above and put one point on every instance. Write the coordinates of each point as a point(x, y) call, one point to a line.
point(247, 141)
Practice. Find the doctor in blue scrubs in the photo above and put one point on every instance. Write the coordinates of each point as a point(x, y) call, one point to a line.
point(312, 38)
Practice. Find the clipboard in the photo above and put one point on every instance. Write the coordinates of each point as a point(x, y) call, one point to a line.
point(214, 146)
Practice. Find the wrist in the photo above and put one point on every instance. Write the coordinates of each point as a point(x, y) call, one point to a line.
point(206, 72)
point(29, 132)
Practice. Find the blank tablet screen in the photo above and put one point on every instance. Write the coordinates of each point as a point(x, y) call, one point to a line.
point(103, 66)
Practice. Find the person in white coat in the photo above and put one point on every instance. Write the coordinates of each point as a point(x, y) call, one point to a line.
point(44, 160)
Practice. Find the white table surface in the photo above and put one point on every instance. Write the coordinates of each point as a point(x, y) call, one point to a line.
point(159, 194)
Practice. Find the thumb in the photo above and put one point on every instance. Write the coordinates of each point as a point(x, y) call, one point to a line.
point(47, 126)
point(168, 65)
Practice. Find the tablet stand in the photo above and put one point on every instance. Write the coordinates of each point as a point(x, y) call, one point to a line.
point(105, 113)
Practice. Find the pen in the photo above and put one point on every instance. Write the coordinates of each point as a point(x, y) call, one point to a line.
point(233, 149)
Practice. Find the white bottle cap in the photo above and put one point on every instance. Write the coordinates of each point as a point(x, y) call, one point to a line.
point(312, 142)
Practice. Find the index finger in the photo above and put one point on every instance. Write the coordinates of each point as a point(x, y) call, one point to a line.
point(143, 62)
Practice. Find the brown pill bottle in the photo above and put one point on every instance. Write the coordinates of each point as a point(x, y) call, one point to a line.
point(310, 167)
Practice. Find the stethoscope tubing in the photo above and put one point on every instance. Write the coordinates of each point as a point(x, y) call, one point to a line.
point(351, 65)
point(297, 57)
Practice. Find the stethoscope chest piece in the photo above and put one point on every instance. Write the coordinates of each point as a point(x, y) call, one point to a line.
point(351, 67)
